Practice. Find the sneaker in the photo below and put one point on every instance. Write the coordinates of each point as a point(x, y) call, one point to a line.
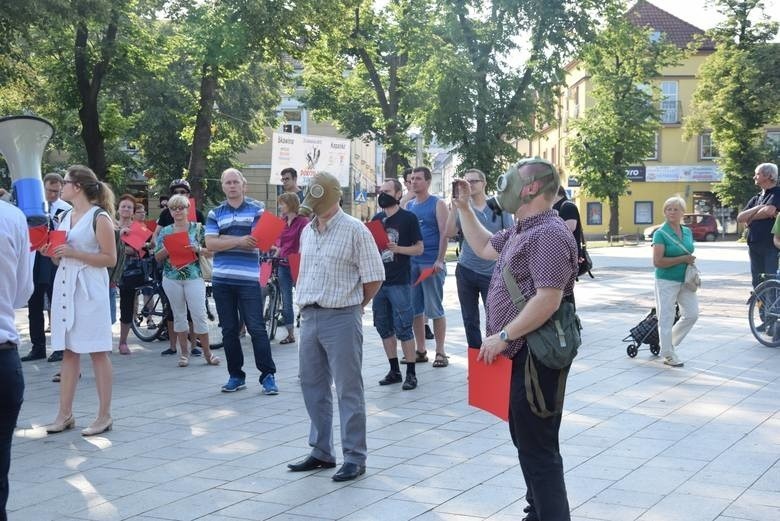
point(269, 385)
point(410, 382)
point(393, 377)
point(168, 351)
point(196, 352)
point(673, 361)
point(234, 384)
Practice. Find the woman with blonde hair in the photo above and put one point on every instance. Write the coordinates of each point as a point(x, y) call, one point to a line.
point(184, 286)
point(672, 253)
point(80, 306)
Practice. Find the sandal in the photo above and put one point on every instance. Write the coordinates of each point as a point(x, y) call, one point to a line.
point(184, 361)
point(441, 360)
point(420, 357)
point(289, 340)
point(123, 349)
point(212, 359)
point(57, 377)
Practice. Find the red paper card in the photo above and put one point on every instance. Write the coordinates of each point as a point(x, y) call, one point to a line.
point(424, 274)
point(39, 235)
point(295, 265)
point(151, 224)
point(267, 230)
point(137, 236)
point(56, 238)
point(489, 384)
point(265, 272)
point(377, 229)
point(192, 216)
point(179, 252)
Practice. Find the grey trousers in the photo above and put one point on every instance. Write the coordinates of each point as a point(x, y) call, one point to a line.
point(331, 351)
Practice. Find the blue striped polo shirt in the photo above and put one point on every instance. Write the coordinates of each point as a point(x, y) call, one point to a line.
point(235, 266)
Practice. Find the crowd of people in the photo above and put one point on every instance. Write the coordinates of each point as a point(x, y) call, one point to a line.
point(519, 255)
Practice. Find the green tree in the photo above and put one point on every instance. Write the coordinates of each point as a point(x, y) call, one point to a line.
point(369, 74)
point(244, 43)
point(499, 72)
point(738, 94)
point(618, 129)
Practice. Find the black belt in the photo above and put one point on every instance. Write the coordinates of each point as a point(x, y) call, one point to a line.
point(7, 345)
point(317, 306)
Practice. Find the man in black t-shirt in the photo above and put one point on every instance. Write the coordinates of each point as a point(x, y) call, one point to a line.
point(759, 214)
point(570, 214)
point(393, 314)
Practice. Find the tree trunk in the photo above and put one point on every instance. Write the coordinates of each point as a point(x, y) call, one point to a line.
point(88, 84)
point(614, 227)
point(201, 140)
point(394, 161)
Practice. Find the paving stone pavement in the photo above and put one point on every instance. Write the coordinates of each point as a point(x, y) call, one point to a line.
point(640, 441)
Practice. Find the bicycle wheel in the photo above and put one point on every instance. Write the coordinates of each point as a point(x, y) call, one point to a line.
point(272, 307)
point(764, 312)
point(148, 317)
point(212, 318)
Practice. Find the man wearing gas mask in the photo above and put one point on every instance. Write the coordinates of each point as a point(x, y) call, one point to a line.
point(392, 306)
point(341, 271)
point(542, 257)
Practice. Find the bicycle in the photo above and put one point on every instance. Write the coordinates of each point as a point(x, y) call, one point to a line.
point(764, 312)
point(272, 299)
point(154, 305)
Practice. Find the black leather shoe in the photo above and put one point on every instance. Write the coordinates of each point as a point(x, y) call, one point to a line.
point(349, 471)
point(34, 356)
point(311, 463)
point(410, 382)
point(56, 356)
point(393, 377)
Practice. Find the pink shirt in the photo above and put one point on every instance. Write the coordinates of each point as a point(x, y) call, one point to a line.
point(290, 240)
point(542, 253)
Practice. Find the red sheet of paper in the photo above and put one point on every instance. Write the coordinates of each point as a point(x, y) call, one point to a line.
point(267, 230)
point(191, 215)
point(137, 237)
point(265, 272)
point(56, 238)
point(178, 251)
point(424, 274)
point(151, 224)
point(295, 265)
point(489, 384)
point(377, 229)
point(38, 236)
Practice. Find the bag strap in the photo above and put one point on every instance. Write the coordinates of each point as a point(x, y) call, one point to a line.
point(676, 241)
point(514, 290)
point(533, 391)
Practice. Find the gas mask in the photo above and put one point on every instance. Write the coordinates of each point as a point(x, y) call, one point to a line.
point(386, 200)
point(511, 185)
point(323, 192)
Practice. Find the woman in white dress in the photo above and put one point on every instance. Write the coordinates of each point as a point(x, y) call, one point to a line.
point(80, 305)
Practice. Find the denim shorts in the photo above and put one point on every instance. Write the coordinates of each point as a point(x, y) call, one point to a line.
point(427, 296)
point(393, 314)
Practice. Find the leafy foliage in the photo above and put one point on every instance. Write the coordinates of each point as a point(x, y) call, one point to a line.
point(737, 95)
point(619, 129)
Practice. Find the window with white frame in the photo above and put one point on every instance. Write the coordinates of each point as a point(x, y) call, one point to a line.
point(773, 141)
point(293, 121)
point(654, 155)
point(707, 148)
point(670, 102)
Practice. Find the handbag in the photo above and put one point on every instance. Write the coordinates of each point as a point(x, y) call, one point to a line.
point(206, 263)
point(692, 280)
point(554, 344)
point(585, 262)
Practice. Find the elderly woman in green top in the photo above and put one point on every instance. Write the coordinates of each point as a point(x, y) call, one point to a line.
point(184, 286)
point(672, 252)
